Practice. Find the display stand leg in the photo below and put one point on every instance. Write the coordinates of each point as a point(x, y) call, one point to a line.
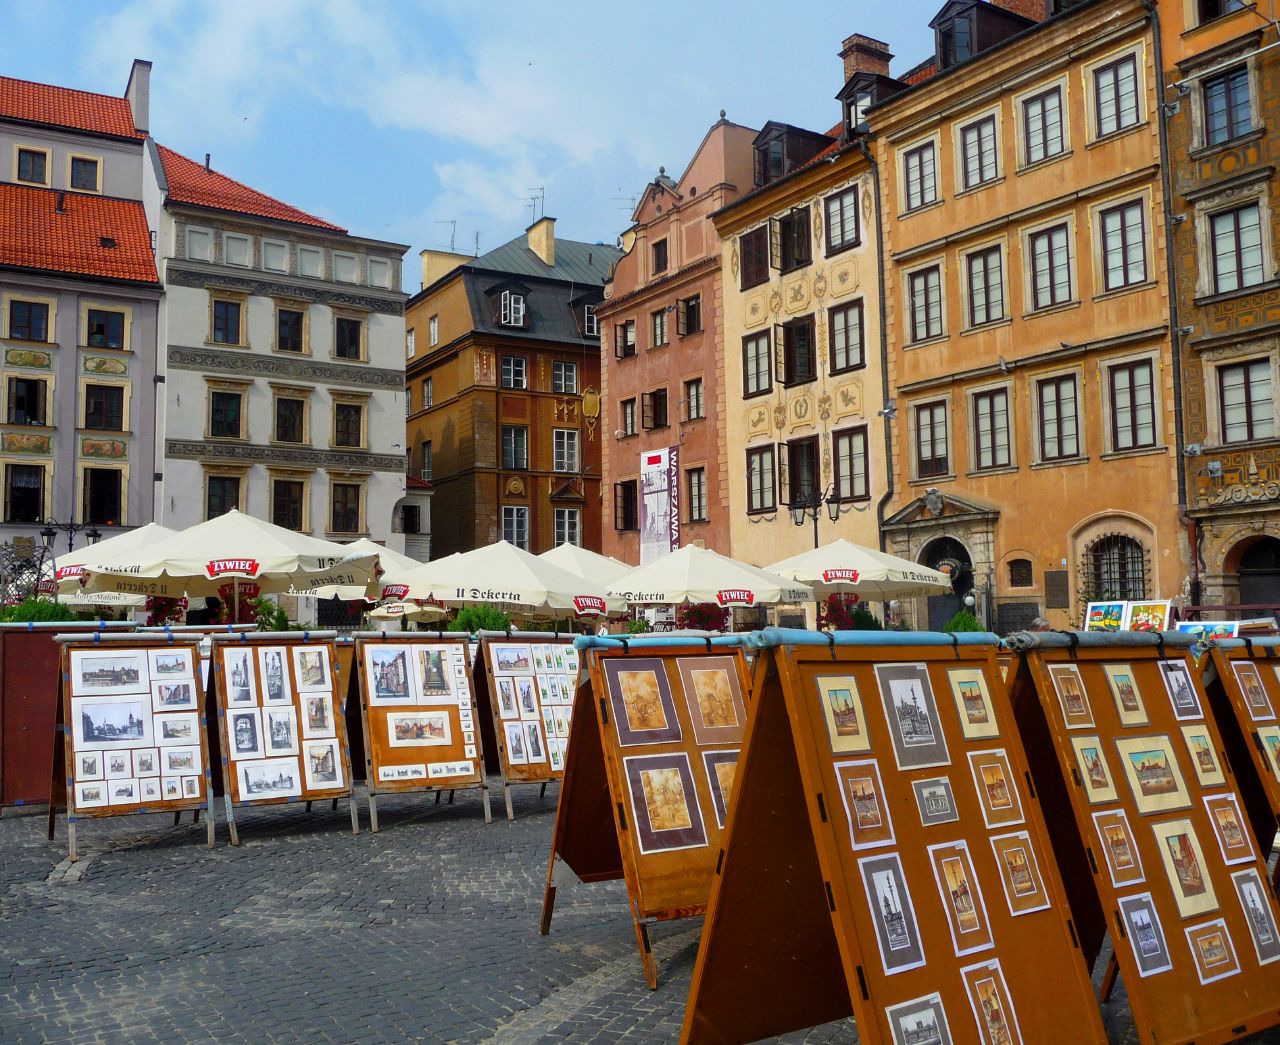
point(451, 794)
point(208, 820)
point(646, 955)
point(308, 806)
point(177, 818)
point(438, 794)
point(488, 813)
point(548, 904)
point(506, 793)
point(73, 854)
point(355, 813)
point(542, 791)
point(195, 816)
point(334, 808)
point(373, 812)
point(231, 822)
point(1109, 977)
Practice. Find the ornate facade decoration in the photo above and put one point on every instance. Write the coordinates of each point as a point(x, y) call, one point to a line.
point(280, 456)
point(238, 361)
point(273, 289)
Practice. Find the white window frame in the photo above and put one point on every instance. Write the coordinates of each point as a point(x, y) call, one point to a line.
point(561, 369)
point(930, 141)
point(1029, 307)
point(994, 115)
point(1105, 367)
point(518, 365)
point(966, 319)
point(433, 331)
point(511, 309)
point(566, 450)
point(568, 526)
point(590, 325)
point(232, 240)
point(515, 525)
point(971, 446)
point(428, 395)
point(908, 303)
point(1139, 55)
point(1063, 86)
point(1082, 429)
point(410, 343)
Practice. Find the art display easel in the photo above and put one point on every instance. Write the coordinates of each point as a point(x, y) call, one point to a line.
point(436, 682)
point(273, 675)
point(550, 679)
point(885, 856)
point(1150, 832)
point(125, 721)
point(648, 775)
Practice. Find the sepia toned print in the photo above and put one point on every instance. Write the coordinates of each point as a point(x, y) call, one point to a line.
point(1119, 847)
point(1253, 691)
point(1095, 774)
point(418, 729)
point(961, 897)
point(516, 754)
point(1146, 935)
point(1269, 738)
point(973, 703)
point(1072, 698)
point(174, 696)
point(1020, 873)
point(842, 709)
point(1234, 837)
point(317, 715)
point(992, 1006)
point(1259, 915)
point(640, 698)
point(88, 765)
point(713, 693)
point(865, 806)
point(431, 666)
point(721, 767)
point(912, 714)
point(665, 799)
point(1124, 690)
point(1153, 774)
point(921, 1021)
point(935, 801)
point(894, 914)
point(1203, 758)
point(1212, 949)
point(644, 711)
point(664, 802)
point(1184, 863)
point(274, 671)
point(311, 666)
point(997, 790)
point(322, 764)
point(1181, 689)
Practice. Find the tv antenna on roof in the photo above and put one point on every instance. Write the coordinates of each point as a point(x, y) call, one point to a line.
point(453, 232)
point(627, 203)
point(538, 202)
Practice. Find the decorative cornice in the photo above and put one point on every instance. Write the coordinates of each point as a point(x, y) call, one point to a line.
point(354, 460)
point(238, 361)
point(184, 277)
point(705, 264)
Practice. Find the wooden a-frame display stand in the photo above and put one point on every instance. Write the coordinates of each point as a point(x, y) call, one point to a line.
point(1150, 833)
point(654, 741)
point(79, 782)
point(500, 695)
point(317, 765)
point(885, 857)
point(436, 681)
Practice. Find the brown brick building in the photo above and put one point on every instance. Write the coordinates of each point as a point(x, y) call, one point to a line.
point(503, 378)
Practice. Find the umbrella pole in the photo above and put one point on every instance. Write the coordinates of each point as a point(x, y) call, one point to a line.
point(235, 600)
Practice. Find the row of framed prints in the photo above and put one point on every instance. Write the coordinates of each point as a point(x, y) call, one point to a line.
point(532, 689)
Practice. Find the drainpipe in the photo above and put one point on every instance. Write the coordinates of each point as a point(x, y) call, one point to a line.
point(884, 345)
point(1175, 328)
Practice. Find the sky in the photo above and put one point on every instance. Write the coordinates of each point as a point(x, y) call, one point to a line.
point(395, 118)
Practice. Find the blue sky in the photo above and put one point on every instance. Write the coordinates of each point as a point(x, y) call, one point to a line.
point(391, 117)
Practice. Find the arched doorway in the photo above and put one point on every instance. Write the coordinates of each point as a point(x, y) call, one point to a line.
point(1259, 573)
point(949, 555)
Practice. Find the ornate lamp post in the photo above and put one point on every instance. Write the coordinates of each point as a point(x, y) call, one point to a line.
point(810, 507)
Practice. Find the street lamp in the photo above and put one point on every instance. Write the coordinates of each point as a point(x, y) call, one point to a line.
point(52, 528)
point(810, 507)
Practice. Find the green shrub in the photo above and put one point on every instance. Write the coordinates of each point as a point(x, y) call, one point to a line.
point(480, 616)
point(637, 627)
point(38, 610)
point(963, 621)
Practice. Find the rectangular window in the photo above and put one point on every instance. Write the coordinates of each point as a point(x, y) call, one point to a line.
point(1115, 95)
point(311, 262)
point(842, 220)
point(288, 330)
point(590, 325)
point(1227, 112)
point(275, 256)
point(799, 351)
point(624, 339)
point(515, 525)
point(28, 321)
point(290, 420)
point(1245, 398)
point(932, 457)
point(1050, 267)
point(689, 315)
point(653, 409)
point(628, 417)
point(225, 414)
point(802, 470)
point(564, 376)
point(348, 424)
point(222, 495)
point(84, 174)
point(226, 322)
point(379, 272)
point(236, 250)
point(761, 486)
point(693, 408)
point(106, 329)
point(850, 454)
point(626, 514)
point(347, 338)
point(346, 268)
point(991, 429)
point(845, 337)
point(564, 449)
point(286, 503)
point(695, 483)
point(921, 176)
point(433, 331)
point(428, 394)
point(200, 245)
point(411, 518)
point(33, 166)
point(794, 246)
point(1237, 248)
point(515, 447)
point(1124, 245)
point(23, 493)
point(757, 365)
point(926, 303)
point(103, 496)
point(27, 401)
point(428, 462)
point(1059, 420)
point(104, 408)
point(985, 272)
point(410, 343)
point(568, 526)
point(754, 248)
point(1042, 125)
point(513, 372)
point(511, 309)
point(1211, 9)
point(658, 328)
point(344, 507)
point(978, 152)
point(1133, 412)
point(660, 257)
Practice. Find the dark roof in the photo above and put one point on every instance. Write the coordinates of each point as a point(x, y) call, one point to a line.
point(575, 262)
point(551, 308)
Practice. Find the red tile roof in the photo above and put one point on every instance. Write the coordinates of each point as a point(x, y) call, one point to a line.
point(189, 182)
point(33, 235)
point(63, 107)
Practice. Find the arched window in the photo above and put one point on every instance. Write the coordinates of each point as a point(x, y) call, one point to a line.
point(1115, 568)
point(1020, 573)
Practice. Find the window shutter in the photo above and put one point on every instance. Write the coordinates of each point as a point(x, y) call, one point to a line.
point(646, 410)
point(618, 507)
point(619, 339)
point(505, 314)
point(800, 233)
point(780, 353)
point(660, 409)
point(760, 158)
point(682, 317)
point(775, 243)
point(517, 310)
point(783, 482)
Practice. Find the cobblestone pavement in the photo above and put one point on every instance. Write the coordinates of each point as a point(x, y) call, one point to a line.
point(424, 931)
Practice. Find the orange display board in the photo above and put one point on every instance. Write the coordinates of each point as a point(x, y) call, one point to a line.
point(648, 775)
point(1151, 834)
point(418, 714)
point(885, 858)
point(131, 735)
point(281, 720)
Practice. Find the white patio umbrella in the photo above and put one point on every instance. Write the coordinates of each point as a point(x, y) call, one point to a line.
point(845, 568)
point(391, 580)
point(587, 564)
point(695, 574)
point(68, 568)
point(412, 610)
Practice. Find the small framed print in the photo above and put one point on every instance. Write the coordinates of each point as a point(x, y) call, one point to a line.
point(935, 801)
point(912, 713)
point(237, 673)
point(146, 762)
point(535, 748)
point(263, 780)
point(514, 735)
point(1119, 847)
point(311, 667)
point(389, 675)
point(91, 794)
point(122, 792)
point(527, 697)
point(88, 765)
point(1146, 935)
point(1095, 774)
point(1146, 616)
point(322, 765)
point(1203, 759)
point(317, 715)
point(1268, 740)
point(168, 665)
point(507, 698)
point(432, 677)
point(997, 789)
point(1124, 690)
point(973, 703)
point(1154, 777)
point(921, 1021)
point(1073, 699)
point(102, 672)
point(171, 788)
point(713, 692)
point(178, 729)
point(1103, 616)
point(842, 708)
point(640, 694)
point(419, 729)
point(961, 897)
point(554, 751)
point(721, 767)
point(1184, 864)
point(174, 695)
point(280, 726)
point(190, 787)
point(177, 761)
point(244, 734)
point(889, 900)
point(1020, 873)
point(865, 805)
point(111, 722)
point(991, 1003)
point(274, 669)
point(149, 789)
point(1212, 950)
point(1181, 688)
point(512, 658)
point(664, 802)
point(1253, 691)
point(1234, 837)
point(119, 765)
point(1258, 915)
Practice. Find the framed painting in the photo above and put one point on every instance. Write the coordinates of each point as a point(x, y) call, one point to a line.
point(1212, 950)
point(961, 897)
point(640, 695)
point(842, 709)
point(1024, 888)
point(273, 669)
point(1152, 770)
point(1095, 774)
point(912, 714)
point(991, 1003)
point(322, 765)
point(1119, 847)
point(1072, 697)
point(721, 766)
point(920, 1021)
point(317, 715)
point(1124, 691)
point(169, 665)
point(109, 722)
point(1104, 616)
point(1204, 759)
point(1146, 616)
point(1268, 741)
point(997, 789)
point(935, 800)
point(1184, 864)
point(865, 805)
point(1181, 688)
point(430, 664)
point(419, 729)
point(713, 693)
point(311, 667)
point(893, 913)
point(664, 802)
point(973, 703)
point(1209, 629)
point(512, 658)
point(1253, 691)
point(389, 676)
point(1258, 915)
point(174, 695)
point(1146, 935)
point(1234, 838)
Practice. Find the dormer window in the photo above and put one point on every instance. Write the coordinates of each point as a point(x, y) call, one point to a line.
point(781, 148)
point(511, 312)
point(858, 109)
point(590, 325)
point(956, 41)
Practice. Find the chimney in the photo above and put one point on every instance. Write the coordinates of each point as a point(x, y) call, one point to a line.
point(58, 207)
point(1036, 10)
point(542, 240)
point(437, 264)
point(863, 54)
point(138, 93)
point(206, 163)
